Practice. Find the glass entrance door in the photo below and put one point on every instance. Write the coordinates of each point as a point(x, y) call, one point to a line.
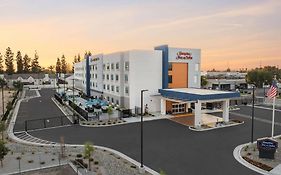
point(178, 108)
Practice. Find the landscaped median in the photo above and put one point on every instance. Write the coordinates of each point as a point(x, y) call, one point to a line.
point(250, 156)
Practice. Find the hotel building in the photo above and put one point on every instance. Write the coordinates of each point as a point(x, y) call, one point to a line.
point(171, 76)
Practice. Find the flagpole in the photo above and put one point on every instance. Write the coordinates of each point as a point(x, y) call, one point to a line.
point(273, 116)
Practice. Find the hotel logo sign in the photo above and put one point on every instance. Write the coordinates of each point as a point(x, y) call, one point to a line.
point(184, 56)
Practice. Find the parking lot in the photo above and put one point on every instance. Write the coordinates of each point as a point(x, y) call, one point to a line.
point(169, 146)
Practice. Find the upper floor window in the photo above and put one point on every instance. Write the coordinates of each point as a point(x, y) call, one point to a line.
point(107, 66)
point(117, 66)
point(126, 90)
point(126, 78)
point(116, 77)
point(112, 66)
point(112, 77)
point(170, 66)
point(127, 65)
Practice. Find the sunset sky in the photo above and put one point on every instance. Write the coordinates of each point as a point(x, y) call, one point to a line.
point(237, 33)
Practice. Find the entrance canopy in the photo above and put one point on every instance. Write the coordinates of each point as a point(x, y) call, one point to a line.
point(193, 94)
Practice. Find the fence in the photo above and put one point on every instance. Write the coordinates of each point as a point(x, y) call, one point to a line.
point(47, 122)
point(78, 109)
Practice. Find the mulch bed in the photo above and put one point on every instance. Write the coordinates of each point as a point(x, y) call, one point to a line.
point(257, 164)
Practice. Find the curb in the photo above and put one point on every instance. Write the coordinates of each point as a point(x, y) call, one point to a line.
point(220, 127)
point(238, 157)
point(16, 139)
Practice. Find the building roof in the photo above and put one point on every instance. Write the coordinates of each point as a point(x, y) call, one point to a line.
point(194, 94)
point(27, 75)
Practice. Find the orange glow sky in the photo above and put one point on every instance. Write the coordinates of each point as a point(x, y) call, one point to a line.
point(238, 34)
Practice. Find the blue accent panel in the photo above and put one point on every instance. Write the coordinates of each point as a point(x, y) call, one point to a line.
point(88, 76)
point(165, 64)
point(194, 97)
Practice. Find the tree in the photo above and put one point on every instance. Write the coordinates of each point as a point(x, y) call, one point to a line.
point(260, 76)
point(1, 64)
point(78, 58)
point(109, 112)
point(26, 64)
point(35, 67)
point(9, 58)
point(51, 68)
point(58, 66)
point(204, 81)
point(74, 61)
point(19, 62)
point(88, 151)
point(2, 129)
point(3, 152)
point(63, 64)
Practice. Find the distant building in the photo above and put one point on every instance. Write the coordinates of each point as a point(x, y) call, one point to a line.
point(226, 80)
point(36, 78)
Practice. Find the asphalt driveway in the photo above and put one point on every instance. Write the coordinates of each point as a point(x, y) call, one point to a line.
point(169, 145)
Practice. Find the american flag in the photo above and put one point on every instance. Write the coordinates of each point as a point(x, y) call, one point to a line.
point(272, 92)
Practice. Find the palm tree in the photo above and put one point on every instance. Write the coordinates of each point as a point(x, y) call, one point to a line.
point(3, 152)
point(2, 129)
point(2, 83)
point(88, 151)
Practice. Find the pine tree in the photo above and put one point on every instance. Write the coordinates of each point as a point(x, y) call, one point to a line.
point(35, 68)
point(74, 61)
point(9, 58)
point(63, 64)
point(19, 62)
point(1, 64)
point(78, 58)
point(58, 66)
point(26, 63)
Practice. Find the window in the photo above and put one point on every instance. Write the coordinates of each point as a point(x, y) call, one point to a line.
point(127, 65)
point(112, 100)
point(93, 84)
point(104, 86)
point(126, 78)
point(112, 66)
point(117, 88)
point(107, 87)
point(170, 79)
point(112, 77)
point(117, 66)
point(96, 76)
point(108, 98)
point(127, 90)
point(112, 88)
point(103, 66)
point(117, 102)
point(116, 77)
point(107, 66)
point(103, 76)
point(107, 76)
point(170, 66)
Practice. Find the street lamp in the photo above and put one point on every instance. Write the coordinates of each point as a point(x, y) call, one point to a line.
point(142, 91)
point(253, 114)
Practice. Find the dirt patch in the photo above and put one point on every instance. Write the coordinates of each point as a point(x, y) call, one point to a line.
point(65, 169)
point(258, 164)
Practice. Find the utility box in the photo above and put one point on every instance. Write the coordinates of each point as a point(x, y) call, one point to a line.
point(267, 148)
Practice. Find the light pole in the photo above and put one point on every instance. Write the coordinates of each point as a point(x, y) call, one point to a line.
point(142, 91)
point(253, 114)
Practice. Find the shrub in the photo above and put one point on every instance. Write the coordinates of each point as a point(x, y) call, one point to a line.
point(30, 161)
point(18, 158)
point(42, 163)
point(96, 162)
